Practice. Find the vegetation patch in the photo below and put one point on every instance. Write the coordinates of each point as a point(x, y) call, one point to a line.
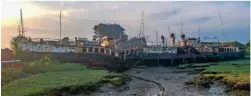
point(184, 66)
point(54, 83)
point(35, 67)
point(116, 79)
point(235, 74)
point(234, 67)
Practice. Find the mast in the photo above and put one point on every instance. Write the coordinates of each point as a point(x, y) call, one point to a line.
point(19, 31)
point(222, 37)
point(181, 31)
point(199, 37)
point(156, 38)
point(22, 26)
point(60, 26)
point(169, 33)
point(185, 31)
point(141, 33)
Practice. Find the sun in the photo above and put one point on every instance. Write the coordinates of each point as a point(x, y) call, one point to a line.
point(11, 12)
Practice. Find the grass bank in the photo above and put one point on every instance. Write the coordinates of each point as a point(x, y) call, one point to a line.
point(46, 78)
point(234, 73)
point(60, 83)
point(35, 67)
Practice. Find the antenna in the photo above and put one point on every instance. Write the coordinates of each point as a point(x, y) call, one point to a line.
point(156, 38)
point(169, 33)
point(60, 26)
point(181, 31)
point(142, 25)
point(22, 26)
point(199, 30)
point(221, 28)
point(19, 31)
point(186, 32)
point(199, 36)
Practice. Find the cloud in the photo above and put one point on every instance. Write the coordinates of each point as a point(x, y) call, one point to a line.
point(79, 17)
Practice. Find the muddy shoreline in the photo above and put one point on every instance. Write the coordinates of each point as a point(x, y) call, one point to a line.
point(171, 79)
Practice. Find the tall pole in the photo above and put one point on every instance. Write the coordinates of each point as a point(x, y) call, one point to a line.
point(19, 31)
point(22, 26)
point(156, 38)
point(221, 28)
point(199, 37)
point(186, 30)
point(141, 33)
point(169, 32)
point(60, 26)
point(181, 31)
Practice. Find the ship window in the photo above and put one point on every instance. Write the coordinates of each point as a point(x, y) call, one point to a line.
point(102, 50)
point(148, 49)
point(96, 50)
point(45, 47)
point(131, 50)
point(127, 51)
point(84, 49)
point(90, 49)
point(107, 51)
point(154, 49)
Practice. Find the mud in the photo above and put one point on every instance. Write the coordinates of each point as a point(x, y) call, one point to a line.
point(171, 79)
point(135, 87)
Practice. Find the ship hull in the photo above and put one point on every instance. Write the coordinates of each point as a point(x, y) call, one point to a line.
point(167, 59)
point(91, 59)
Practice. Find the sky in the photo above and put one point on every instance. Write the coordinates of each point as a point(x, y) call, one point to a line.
point(41, 18)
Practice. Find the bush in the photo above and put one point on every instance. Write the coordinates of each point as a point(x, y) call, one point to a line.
point(53, 83)
point(9, 74)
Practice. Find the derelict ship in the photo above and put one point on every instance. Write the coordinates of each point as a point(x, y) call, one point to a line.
point(97, 52)
point(190, 50)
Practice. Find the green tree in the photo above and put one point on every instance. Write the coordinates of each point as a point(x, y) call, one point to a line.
point(18, 53)
point(248, 47)
point(248, 44)
point(110, 30)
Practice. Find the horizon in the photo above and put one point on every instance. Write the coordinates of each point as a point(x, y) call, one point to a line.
point(41, 18)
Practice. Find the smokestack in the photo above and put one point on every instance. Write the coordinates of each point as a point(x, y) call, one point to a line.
point(163, 40)
point(76, 41)
point(183, 36)
point(172, 37)
point(183, 40)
